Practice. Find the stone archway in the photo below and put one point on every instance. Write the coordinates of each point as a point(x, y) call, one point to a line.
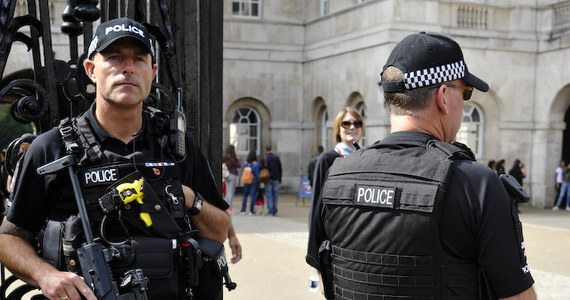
point(548, 148)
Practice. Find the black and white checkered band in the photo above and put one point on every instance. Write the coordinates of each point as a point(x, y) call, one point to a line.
point(435, 75)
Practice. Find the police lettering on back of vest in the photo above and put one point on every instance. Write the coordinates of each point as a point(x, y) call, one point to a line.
point(375, 196)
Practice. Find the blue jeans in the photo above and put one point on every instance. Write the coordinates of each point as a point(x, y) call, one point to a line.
point(564, 190)
point(272, 195)
point(248, 189)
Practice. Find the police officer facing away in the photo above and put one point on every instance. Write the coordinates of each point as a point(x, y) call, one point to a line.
point(117, 137)
point(413, 215)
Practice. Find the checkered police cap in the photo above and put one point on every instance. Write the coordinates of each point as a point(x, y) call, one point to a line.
point(109, 32)
point(428, 59)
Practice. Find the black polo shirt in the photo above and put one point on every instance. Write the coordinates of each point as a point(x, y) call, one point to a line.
point(475, 225)
point(37, 198)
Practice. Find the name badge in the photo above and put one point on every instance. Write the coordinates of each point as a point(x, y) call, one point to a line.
point(376, 196)
point(101, 176)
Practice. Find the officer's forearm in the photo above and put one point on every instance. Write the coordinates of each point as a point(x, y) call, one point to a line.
point(212, 222)
point(18, 255)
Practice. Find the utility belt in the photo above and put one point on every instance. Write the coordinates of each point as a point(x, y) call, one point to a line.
point(183, 268)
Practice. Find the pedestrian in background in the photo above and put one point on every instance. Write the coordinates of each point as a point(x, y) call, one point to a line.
point(233, 164)
point(564, 190)
point(500, 167)
point(492, 164)
point(558, 178)
point(273, 163)
point(348, 128)
point(250, 180)
point(519, 173)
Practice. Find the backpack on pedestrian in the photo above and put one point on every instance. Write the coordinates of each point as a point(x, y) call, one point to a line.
point(247, 174)
point(264, 173)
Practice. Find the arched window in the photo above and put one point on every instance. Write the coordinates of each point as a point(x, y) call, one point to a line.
point(471, 130)
point(361, 108)
point(245, 131)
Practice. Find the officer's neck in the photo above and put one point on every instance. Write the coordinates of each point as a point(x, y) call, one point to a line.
point(417, 123)
point(119, 122)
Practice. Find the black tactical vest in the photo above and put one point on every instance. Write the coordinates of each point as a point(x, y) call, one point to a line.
point(382, 211)
point(153, 248)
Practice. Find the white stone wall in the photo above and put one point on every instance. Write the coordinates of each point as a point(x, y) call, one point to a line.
point(510, 44)
point(292, 60)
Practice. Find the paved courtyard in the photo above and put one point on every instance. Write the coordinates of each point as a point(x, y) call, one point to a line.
point(273, 265)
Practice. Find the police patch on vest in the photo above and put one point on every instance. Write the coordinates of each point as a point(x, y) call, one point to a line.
point(377, 196)
point(101, 176)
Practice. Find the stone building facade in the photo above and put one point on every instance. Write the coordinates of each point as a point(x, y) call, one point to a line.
point(290, 66)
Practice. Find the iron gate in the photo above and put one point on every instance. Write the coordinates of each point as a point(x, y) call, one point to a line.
point(189, 55)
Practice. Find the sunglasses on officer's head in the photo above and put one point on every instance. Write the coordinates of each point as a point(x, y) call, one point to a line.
point(346, 124)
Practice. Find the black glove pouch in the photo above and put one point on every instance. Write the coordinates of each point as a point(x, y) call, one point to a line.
point(157, 257)
point(213, 269)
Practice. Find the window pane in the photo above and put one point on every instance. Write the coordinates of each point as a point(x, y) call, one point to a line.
point(245, 130)
point(246, 8)
point(475, 115)
point(470, 130)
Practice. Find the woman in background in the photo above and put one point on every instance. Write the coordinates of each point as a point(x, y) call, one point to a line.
point(518, 172)
point(348, 128)
point(233, 164)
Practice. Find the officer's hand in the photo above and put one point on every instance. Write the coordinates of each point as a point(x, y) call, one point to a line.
point(65, 286)
point(236, 248)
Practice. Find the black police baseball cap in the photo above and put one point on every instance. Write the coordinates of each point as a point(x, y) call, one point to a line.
point(427, 59)
point(113, 30)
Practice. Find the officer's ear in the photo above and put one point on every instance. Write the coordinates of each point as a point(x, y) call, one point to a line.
point(442, 98)
point(154, 68)
point(89, 66)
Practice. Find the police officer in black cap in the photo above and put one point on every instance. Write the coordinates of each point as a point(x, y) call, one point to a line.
point(413, 216)
point(121, 147)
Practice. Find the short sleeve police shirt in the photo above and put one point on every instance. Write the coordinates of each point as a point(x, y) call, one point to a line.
point(37, 198)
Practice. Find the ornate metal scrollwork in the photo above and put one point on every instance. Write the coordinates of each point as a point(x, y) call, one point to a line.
point(31, 98)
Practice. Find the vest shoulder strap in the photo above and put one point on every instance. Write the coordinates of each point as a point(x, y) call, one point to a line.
point(79, 139)
point(455, 151)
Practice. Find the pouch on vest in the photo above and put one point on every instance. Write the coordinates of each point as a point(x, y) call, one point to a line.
point(73, 238)
point(215, 268)
point(158, 259)
point(52, 244)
